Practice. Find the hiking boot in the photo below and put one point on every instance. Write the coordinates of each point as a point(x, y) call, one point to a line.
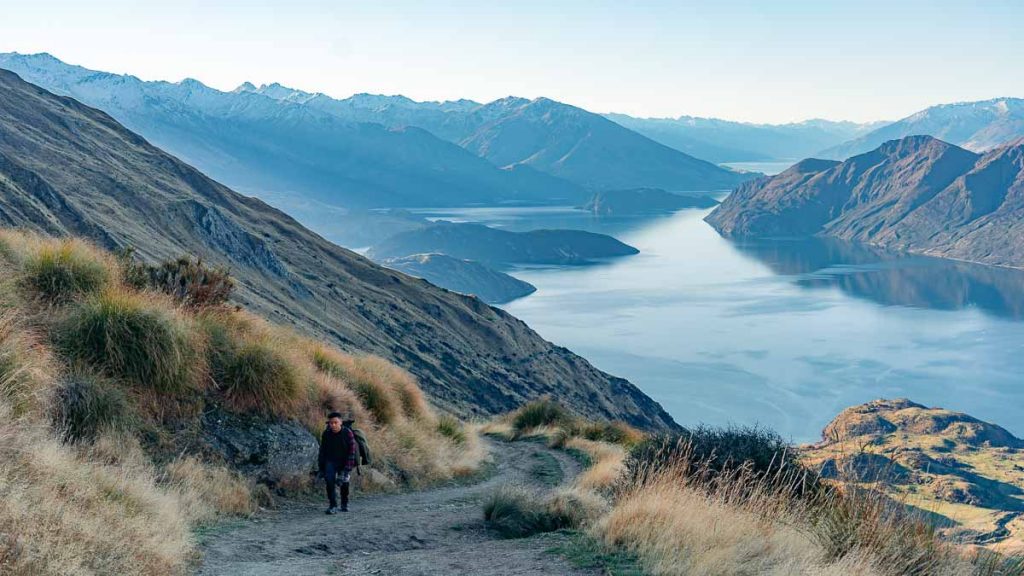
point(331, 510)
point(344, 508)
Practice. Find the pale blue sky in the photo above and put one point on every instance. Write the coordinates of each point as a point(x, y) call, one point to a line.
point(769, 61)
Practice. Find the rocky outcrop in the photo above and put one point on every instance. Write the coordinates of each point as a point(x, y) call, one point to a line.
point(270, 452)
point(940, 456)
point(917, 194)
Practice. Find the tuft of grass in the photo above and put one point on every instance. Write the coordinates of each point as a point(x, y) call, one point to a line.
point(132, 337)
point(516, 512)
point(613, 432)
point(87, 405)
point(363, 376)
point(26, 374)
point(450, 427)
point(59, 271)
point(188, 281)
point(541, 412)
point(258, 377)
point(584, 551)
point(208, 492)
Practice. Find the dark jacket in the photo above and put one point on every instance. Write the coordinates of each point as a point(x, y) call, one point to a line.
point(339, 448)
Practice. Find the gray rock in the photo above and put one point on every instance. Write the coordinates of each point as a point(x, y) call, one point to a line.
point(269, 451)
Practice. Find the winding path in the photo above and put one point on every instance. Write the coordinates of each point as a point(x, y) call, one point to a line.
point(433, 532)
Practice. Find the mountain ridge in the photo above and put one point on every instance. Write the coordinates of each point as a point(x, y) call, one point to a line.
point(916, 194)
point(71, 169)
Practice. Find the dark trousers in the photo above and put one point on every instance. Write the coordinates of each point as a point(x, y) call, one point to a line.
point(334, 474)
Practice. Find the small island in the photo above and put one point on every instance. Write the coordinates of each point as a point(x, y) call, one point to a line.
point(463, 276)
point(499, 248)
point(643, 201)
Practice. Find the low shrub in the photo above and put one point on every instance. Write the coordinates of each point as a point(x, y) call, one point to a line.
point(59, 271)
point(206, 491)
point(131, 337)
point(87, 405)
point(541, 412)
point(705, 453)
point(189, 281)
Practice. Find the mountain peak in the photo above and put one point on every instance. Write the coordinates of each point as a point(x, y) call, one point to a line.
point(244, 87)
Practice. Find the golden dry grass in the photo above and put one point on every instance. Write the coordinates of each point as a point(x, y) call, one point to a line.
point(607, 463)
point(100, 505)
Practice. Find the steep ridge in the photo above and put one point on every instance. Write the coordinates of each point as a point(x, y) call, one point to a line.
point(66, 168)
point(273, 145)
point(917, 194)
point(976, 126)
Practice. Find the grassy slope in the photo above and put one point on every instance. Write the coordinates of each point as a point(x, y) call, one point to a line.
point(102, 467)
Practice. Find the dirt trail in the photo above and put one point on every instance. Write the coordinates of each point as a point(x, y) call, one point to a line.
point(435, 532)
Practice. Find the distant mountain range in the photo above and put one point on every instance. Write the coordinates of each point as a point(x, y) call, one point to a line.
point(976, 126)
point(298, 148)
point(916, 194)
point(722, 141)
point(68, 169)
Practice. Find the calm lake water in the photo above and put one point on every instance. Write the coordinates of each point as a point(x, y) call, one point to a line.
point(784, 333)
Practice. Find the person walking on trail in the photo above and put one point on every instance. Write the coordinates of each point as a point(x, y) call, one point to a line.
point(338, 456)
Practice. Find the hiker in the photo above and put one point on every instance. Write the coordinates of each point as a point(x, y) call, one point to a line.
point(338, 456)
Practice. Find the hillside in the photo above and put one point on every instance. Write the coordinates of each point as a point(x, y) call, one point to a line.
point(720, 141)
point(917, 194)
point(968, 471)
point(501, 247)
point(289, 153)
point(67, 169)
point(976, 126)
point(643, 201)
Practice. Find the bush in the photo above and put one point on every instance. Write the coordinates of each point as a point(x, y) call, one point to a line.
point(88, 405)
point(257, 377)
point(61, 271)
point(189, 281)
point(450, 427)
point(541, 412)
point(129, 337)
point(516, 512)
point(707, 453)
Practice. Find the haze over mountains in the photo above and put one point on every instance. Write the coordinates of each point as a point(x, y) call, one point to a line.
point(310, 147)
point(916, 194)
point(721, 141)
point(66, 168)
point(976, 126)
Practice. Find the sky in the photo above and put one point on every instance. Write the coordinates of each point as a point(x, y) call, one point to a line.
point(757, 61)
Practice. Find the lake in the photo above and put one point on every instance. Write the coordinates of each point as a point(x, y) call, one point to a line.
point(782, 333)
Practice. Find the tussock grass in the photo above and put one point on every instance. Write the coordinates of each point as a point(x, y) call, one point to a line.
point(88, 404)
point(363, 376)
point(607, 463)
point(543, 412)
point(26, 367)
point(518, 512)
point(450, 427)
point(58, 271)
point(117, 367)
point(612, 432)
point(137, 338)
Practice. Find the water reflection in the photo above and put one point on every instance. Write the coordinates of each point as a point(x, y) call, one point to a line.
point(892, 279)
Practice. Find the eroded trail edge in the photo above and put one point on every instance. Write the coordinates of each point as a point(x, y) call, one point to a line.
point(431, 532)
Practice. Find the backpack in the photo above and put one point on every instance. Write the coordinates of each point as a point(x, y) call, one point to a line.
point(363, 458)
